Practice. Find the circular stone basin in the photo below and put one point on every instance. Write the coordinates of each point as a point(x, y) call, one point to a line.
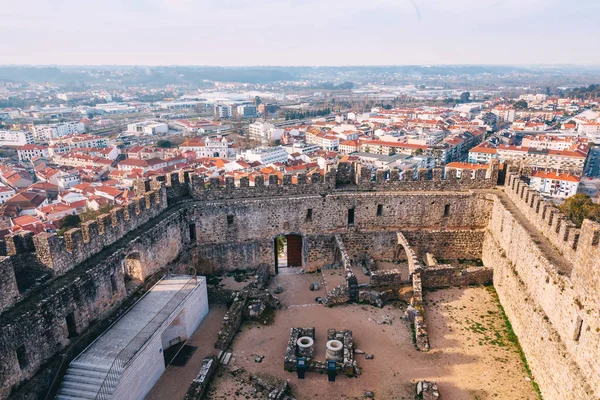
point(334, 345)
point(305, 341)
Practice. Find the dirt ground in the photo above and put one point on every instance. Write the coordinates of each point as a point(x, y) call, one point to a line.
point(471, 356)
point(175, 381)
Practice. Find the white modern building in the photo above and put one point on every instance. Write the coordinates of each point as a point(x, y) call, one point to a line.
point(554, 184)
point(301, 148)
point(148, 128)
point(266, 155)
point(15, 138)
point(247, 110)
point(51, 131)
point(130, 356)
point(264, 131)
point(223, 111)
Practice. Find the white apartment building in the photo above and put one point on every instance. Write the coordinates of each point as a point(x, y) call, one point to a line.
point(247, 110)
point(148, 128)
point(591, 130)
point(51, 131)
point(554, 184)
point(266, 155)
point(79, 141)
point(5, 193)
point(504, 113)
point(30, 151)
point(223, 111)
point(265, 132)
point(301, 148)
point(482, 154)
point(15, 138)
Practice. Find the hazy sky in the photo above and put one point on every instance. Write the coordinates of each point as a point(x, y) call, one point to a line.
point(299, 32)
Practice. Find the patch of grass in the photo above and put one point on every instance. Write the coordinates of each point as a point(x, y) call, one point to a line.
point(514, 340)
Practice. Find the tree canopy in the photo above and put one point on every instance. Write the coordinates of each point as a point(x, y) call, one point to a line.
point(580, 207)
point(164, 144)
point(521, 105)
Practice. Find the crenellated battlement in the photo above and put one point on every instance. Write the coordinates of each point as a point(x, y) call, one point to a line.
point(578, 245)
point(213, 189)
point(354, 174)
point(426, 179)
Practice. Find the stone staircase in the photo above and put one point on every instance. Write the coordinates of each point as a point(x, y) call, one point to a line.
point(82, 381)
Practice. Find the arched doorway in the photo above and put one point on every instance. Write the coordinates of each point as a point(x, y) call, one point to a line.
point(288, 251)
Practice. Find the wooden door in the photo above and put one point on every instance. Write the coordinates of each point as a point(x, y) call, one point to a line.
point(294, 250)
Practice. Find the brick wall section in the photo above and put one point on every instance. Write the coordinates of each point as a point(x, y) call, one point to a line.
point(556, 317)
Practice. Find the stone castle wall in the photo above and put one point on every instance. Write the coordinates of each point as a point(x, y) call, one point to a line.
point(82, 274)
point(88, 292)
point(240, 234)
point(546, 274)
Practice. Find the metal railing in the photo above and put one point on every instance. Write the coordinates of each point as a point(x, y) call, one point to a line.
point(125, 356)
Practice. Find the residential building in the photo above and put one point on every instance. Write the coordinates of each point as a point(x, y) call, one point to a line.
point(51, 131)
point(554, 184)
point(15, 138)
point(247, 110)
point(223, 111)
point(266, 155)
point(265, 132)
point(483, 154)
point(30, 151)
point(5, 193)
point(465, 169)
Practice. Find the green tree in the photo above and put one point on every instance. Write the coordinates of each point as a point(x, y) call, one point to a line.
point(164, 144)
point(68, 222)
point(465, 97)
point(580, 207)
point(520, 105)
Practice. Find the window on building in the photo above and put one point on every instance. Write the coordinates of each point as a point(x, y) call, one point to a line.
point(229, 220)
point(309, 215)
point(379, 210)
point(22, 357)
point(446, 210)
point(351, 216)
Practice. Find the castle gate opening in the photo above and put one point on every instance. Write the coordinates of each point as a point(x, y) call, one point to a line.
point(288, 251)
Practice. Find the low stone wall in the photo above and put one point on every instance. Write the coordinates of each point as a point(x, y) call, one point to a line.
point(232, 321)
point(442, 276)
point(416, 315)
point(391, 277)
point(200, 384)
